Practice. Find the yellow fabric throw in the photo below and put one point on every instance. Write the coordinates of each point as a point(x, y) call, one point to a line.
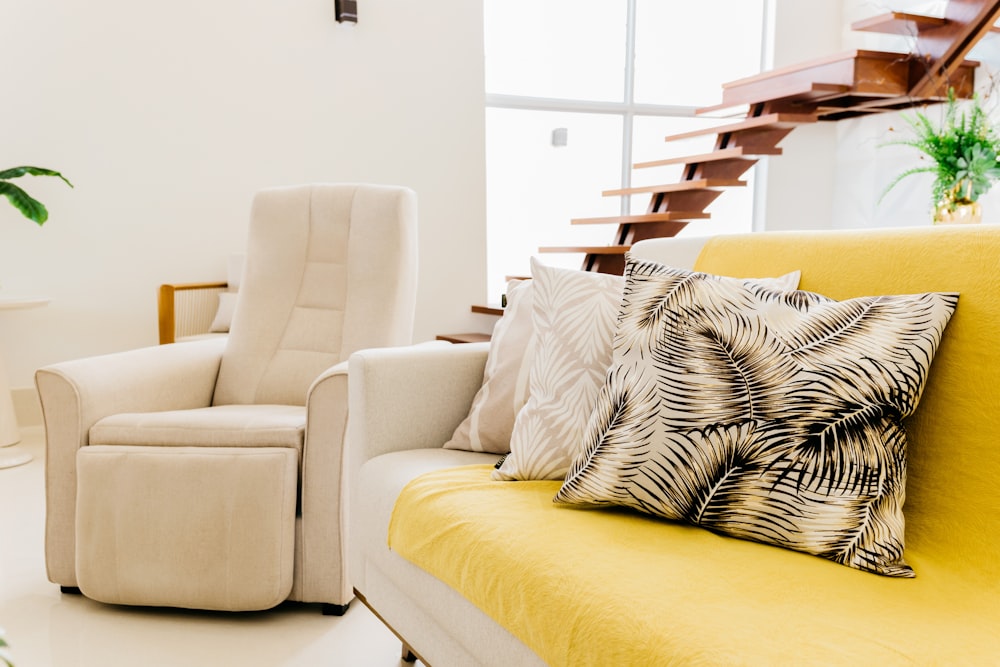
point(609, 587)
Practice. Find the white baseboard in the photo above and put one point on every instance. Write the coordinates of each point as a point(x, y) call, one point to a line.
point(27, 406)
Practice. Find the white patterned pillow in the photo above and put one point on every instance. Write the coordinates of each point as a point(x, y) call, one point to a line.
point(488, 426)
point(575, 315)
point(766, 416)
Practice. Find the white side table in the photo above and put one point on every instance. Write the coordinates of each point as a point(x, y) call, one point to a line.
point(10, 455)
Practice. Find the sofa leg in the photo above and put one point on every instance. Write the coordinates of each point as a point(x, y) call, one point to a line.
point(70, 590)
point(408, 655)
point(335, 609)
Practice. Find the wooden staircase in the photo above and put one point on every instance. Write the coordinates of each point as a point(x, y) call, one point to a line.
point(828, 89)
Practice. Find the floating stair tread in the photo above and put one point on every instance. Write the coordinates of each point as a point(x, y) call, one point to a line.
point(737, 153)
point(860, 71)
point(683, 186)
point(769, 121)
point(854, 55)
point(801, 92)
point(590, 250)
point(465, 337)
point(488, 310)
point(670, 216)
point(899, 23)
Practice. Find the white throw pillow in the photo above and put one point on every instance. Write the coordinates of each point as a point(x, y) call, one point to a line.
point(488, 426)
point(224, 313)
point(575, 317)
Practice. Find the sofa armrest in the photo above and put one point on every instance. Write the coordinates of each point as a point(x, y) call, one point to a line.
point(76, 394)
point(410, 397)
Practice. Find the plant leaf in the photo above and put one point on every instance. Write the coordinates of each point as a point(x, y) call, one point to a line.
point(17, 172)
point(30, 207)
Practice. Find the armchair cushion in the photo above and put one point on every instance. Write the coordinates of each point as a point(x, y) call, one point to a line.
point(220, 426)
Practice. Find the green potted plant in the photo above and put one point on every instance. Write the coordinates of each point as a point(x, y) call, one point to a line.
point(963, 153)
point(30, 207)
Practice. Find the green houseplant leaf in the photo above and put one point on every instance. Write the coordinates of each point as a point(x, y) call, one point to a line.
point(29, 207)
point(963, 153)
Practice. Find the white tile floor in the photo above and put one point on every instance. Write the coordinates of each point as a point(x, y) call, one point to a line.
point(48, 629)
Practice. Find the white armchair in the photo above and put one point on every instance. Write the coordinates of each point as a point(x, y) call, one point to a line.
point(209, 474)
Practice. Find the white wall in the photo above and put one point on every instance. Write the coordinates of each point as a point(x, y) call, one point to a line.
point(167, 117)
point(799, 188)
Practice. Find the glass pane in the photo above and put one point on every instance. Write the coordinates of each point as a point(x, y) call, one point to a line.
point(684, 52)
point(570, 49)
point(731, 212)
point(534, 189)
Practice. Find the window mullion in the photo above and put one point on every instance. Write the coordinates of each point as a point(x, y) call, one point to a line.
point(629, 95)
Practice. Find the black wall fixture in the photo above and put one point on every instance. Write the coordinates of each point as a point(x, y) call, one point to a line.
point(346, 10)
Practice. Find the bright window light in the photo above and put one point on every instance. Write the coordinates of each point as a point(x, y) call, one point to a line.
point(611, 79)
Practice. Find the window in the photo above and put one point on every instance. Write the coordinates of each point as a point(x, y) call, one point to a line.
point(579, 90)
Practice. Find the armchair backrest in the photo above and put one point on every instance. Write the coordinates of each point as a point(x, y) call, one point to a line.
point(330, 269)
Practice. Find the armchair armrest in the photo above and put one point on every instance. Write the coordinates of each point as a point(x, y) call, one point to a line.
point(323, 488)
point(410, 397)
point(76, 394)
point(148, 379)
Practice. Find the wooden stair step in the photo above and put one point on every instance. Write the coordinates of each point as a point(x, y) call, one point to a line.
point(899, 23)
point(683, 186)
point(862, 71)
point(756, 123)
point(589, 250)
point(808, 93)
point(488, 310)
point(670, 216)
point(736, 153)
point(475, 337)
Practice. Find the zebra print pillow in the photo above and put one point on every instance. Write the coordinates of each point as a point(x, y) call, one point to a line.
point(769, 416)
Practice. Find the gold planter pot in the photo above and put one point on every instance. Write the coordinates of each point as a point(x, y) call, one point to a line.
point(958, 214)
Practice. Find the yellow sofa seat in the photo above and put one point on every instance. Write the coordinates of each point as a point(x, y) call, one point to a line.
point(613, 587)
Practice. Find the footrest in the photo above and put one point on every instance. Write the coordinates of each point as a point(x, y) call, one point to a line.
point(195, 527)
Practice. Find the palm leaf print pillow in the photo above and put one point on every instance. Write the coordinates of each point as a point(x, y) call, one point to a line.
point(765, 415)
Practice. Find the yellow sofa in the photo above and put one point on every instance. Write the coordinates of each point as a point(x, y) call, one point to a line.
point(483, 572)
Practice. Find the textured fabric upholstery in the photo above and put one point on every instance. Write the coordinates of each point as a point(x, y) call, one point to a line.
point(329, 269)
point(231, 521)
point(221, 426)
point(316, 262)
